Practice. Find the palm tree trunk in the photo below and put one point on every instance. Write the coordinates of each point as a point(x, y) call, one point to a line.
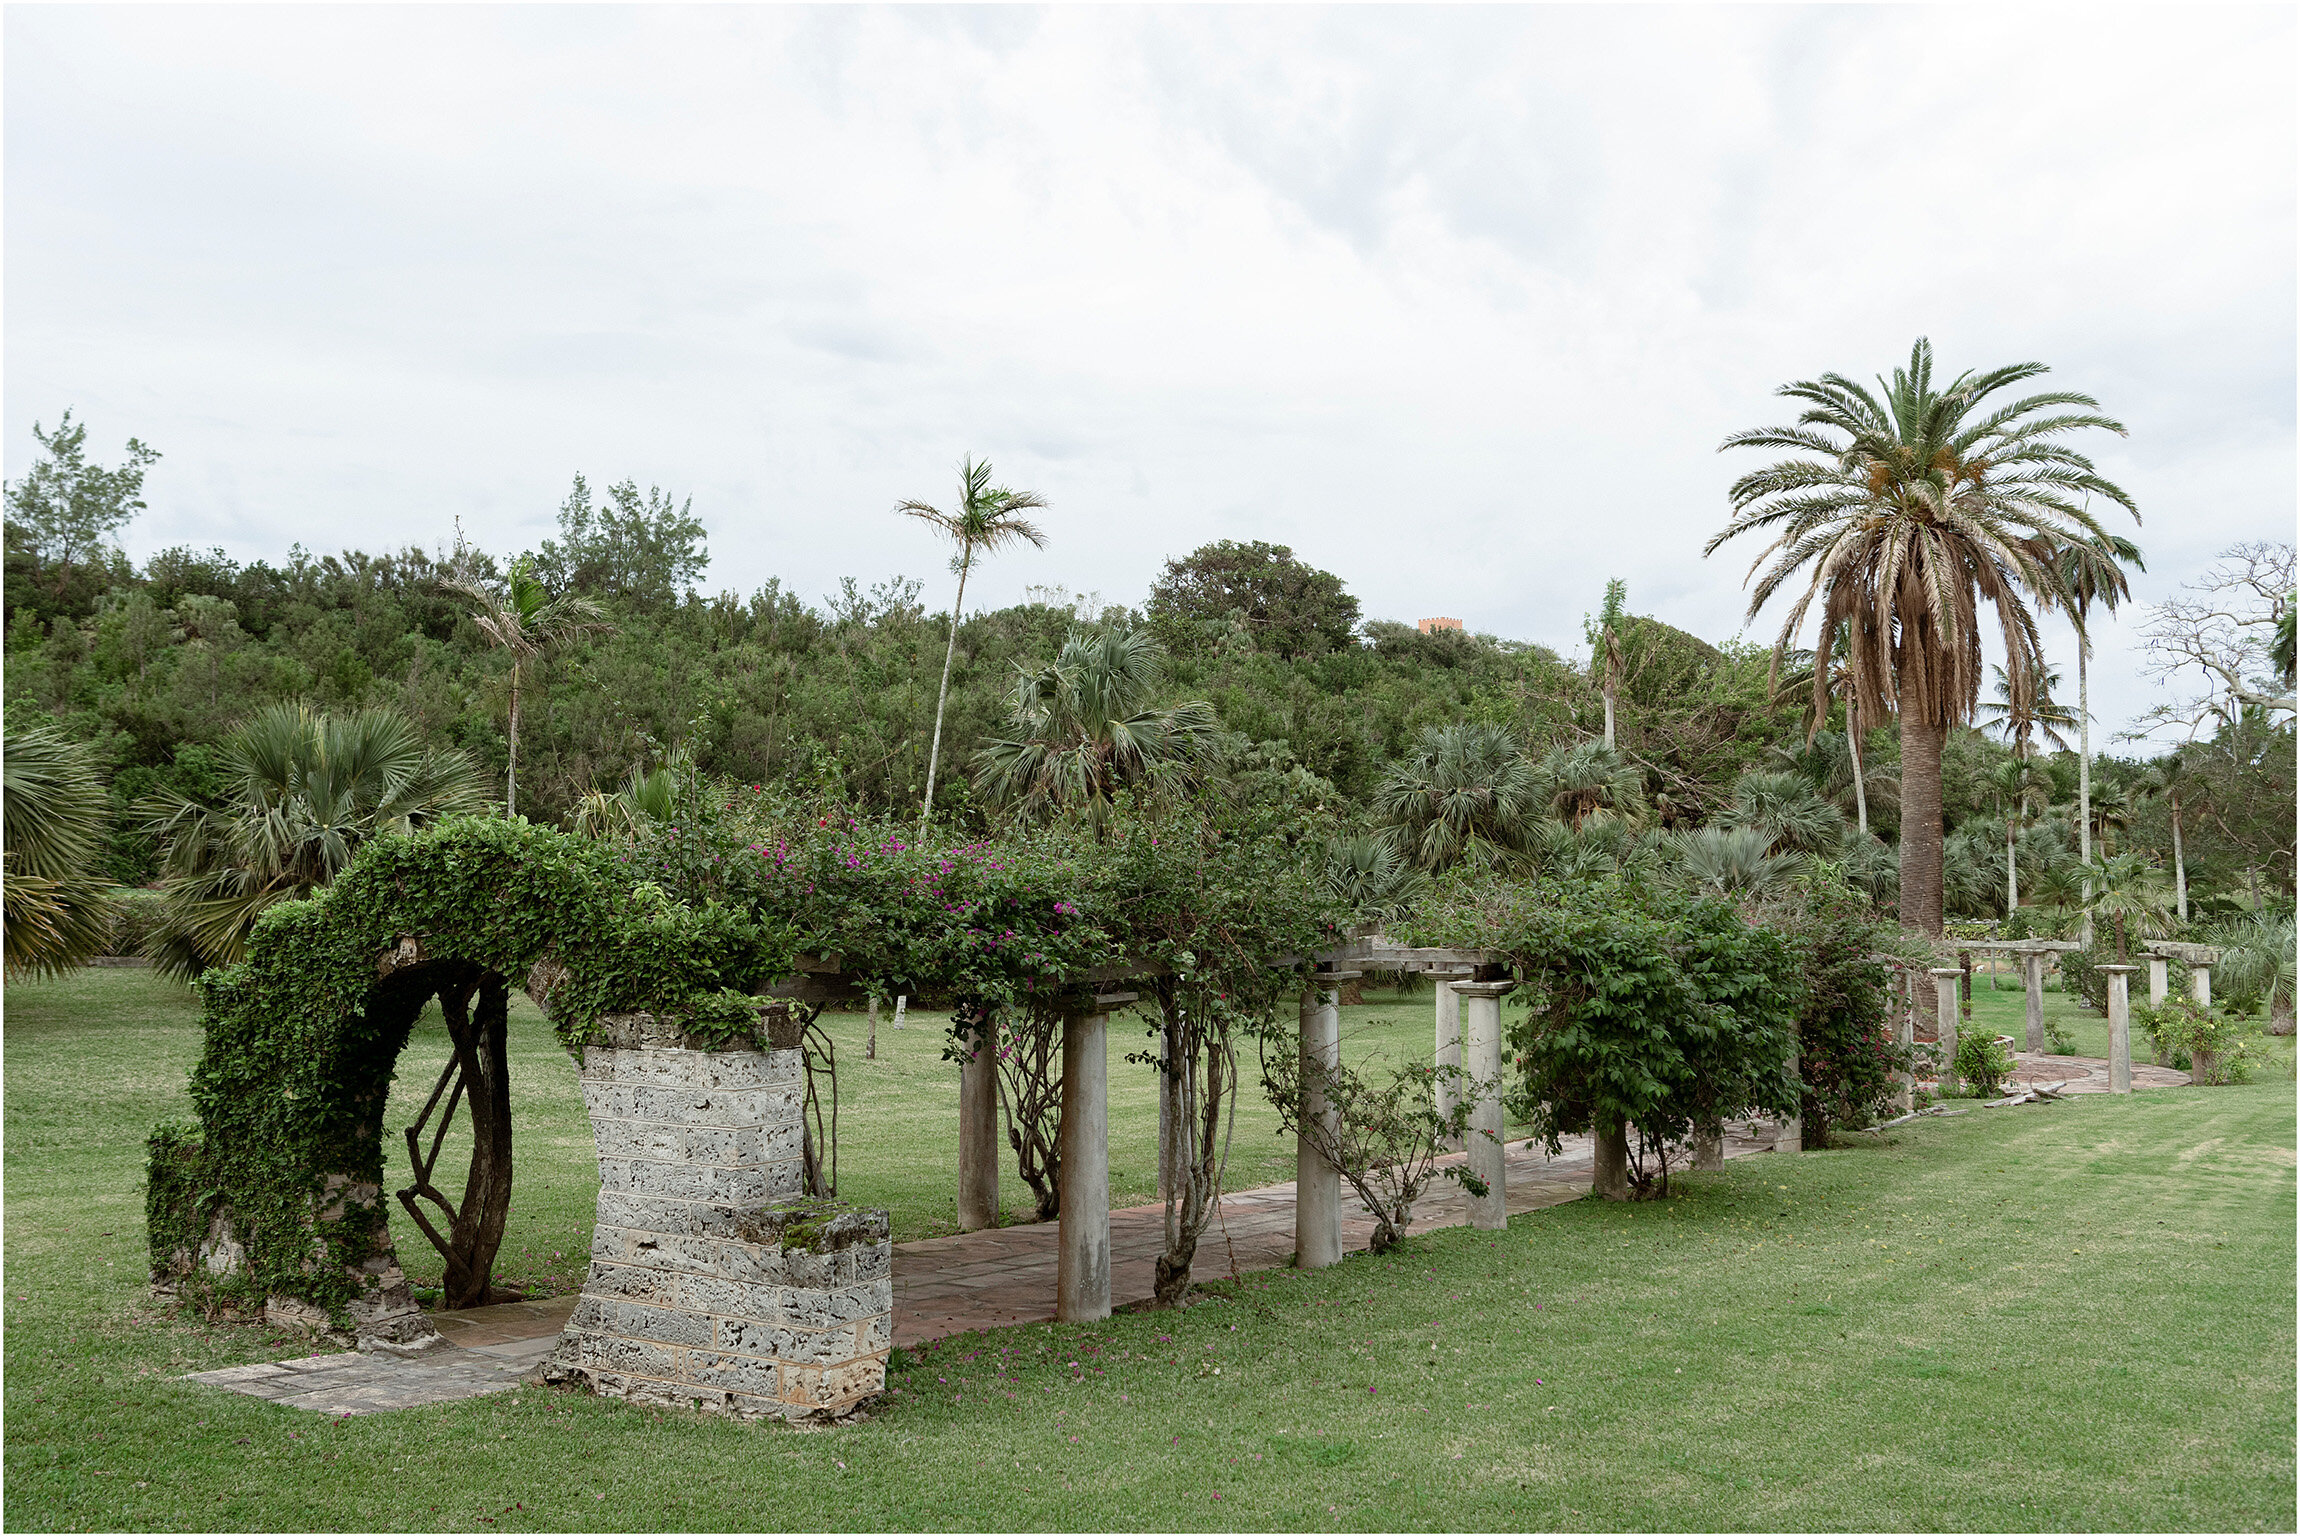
point(511, 780)
point(942, 698)
point(2179, 862)
point(2012, 884)
point(1921, 825)
point(1860, 789)
point(2084, 775)
point(1609, 714)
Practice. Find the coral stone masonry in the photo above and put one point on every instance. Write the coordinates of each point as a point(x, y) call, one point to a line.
point(714, 1283)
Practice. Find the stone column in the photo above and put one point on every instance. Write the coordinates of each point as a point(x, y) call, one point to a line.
point(1945, 1007)
point(1082, 1267)
point(1792, 1137)
point(1481, 1009)
point(1708, 1146)
point(978, 1131)
point(1317, 1183)
point(1448, 1052)
point(2200, 982)
point(2158, 982)
point(2032, 973)
point(2119, 1027)
point(1905, 1036)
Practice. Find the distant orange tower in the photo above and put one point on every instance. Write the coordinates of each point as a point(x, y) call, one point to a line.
point(1427, 625)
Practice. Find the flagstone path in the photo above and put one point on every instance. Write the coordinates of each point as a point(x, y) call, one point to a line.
point(996, 1278)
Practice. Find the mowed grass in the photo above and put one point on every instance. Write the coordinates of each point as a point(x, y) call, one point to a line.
point(2072, 1316)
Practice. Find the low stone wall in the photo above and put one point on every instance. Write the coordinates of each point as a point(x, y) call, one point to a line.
point(713, 1283)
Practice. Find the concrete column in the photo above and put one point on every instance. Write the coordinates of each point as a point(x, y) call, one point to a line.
point(1317, 1183)
point(1448, 1052)
point(2032, 972)
point(1905, 1036)
point(2200, 982)
point(1481, 1048)
point(1708, 1146)
point(1945, 1010)
point(1792, 1137)
point(2158, 982)
point(978, 1132)
point(2119, 1028)
point(1082, 1265)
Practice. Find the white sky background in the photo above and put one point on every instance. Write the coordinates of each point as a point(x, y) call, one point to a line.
point(1458, 303)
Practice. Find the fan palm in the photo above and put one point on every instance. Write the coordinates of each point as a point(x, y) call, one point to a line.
point(1464, 793)
point(649, 795)
point(2128, 894)
point(2018, 787)
point(1600, 847)
point(1908, 508)
point(1827, 763)
point(1732, 861)
point(1367, 875)
point(2257, 961)
point(1788, 811)
point(528, 623)
point(1081, 728)
point(1590, 779)
point(986, 519)
point(305, 792)
point(52, 815)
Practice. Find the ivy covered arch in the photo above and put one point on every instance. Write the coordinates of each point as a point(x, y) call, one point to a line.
point(273, 1195)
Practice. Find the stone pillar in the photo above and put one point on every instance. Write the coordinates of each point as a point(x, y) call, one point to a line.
point(978, 1132)
point(1448, 1052)
point(1905, 1036)
point(2158, 982)
point(1481, 1049)
point(2032, 973)
point(2119, 1028)
point(1082, 1264)
point(2200, 982)
point(1317, 1183)
point(1708, 1146)
point(1945, 1006)
point(1792, 1137)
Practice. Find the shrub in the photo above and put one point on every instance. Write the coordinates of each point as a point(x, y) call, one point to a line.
point(2080, 975)
point(2212, 1048)
point(2057, 1038)
point(1984, 1063)
point(1388, 1134)
point(136, 917)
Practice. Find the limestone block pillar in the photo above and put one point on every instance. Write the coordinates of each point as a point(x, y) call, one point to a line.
point(1792, 1137)
point(1082, 1263)
point(2200, 982)
point(1481, 1010)
point(2119, 1027)
point(1945, 1008)
point(2032, 973)
point(1317, 1183)
point(2158, 982)
point(1905, 1037)
point(1448, 1052)
point(978, 1131)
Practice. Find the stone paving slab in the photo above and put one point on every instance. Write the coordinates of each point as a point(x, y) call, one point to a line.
point(355, 1382)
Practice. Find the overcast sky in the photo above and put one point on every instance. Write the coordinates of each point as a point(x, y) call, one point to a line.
point(1458, 303)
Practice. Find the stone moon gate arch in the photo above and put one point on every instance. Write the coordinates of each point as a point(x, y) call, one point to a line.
point(713, 1282)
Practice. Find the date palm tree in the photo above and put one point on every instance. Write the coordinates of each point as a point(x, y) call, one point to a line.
point(527, 622)
point(53, 811)
point(305, 791)
point(985, 520)
point(1081, 728)
point(1903, 511)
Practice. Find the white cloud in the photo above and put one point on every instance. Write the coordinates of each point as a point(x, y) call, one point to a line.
point(1457, 302)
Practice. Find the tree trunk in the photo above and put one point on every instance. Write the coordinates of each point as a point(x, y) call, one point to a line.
point(476, 1234)
point(2012, 885)
point(1921, 825)
point(1610, 1176)
point(2179, 861)
point(870, 1042)
point(1860, 786)
point(511, 779)
point(942, 698)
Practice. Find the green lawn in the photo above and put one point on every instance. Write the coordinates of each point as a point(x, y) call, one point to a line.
point(2077, 1315)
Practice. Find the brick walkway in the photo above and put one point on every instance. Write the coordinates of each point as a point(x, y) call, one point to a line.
point(992, 1279)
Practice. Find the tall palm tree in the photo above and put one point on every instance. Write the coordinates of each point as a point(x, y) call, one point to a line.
point(1081, 728)
point(2019, 787)
point(2017, 722)
point(305, 791)
point(1840, 684)
point(1464, 793)
point(986, 519)
point(2112, 806)
point(52, 816)
point(527, 622)
point(2091, 576)
point(2172, 780)
point(1908, 508)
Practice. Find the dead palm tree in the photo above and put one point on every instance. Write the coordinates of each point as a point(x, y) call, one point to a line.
point(530, 624)
point(1907, 509)
point(986, 519)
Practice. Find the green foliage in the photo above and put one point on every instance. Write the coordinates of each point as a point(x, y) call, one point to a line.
point(1288, 608)
point(58, 912)
point(1983, 1063)
point(641, 550)
point(2213, 1048)
point(64, 514)
point(1386, 1133)
point(1846, 1052)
